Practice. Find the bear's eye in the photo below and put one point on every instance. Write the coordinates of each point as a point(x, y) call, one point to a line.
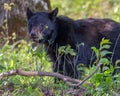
point(41, 27)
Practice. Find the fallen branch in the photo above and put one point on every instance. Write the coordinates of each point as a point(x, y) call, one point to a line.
point(66, 79)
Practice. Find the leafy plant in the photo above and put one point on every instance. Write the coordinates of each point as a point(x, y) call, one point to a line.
point(103, 82)
point(66, 50)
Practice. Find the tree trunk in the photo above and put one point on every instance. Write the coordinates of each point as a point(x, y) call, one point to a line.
point(17, 16)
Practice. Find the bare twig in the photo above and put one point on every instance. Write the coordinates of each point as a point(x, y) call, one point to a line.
point(115, 47)
point(83, 81)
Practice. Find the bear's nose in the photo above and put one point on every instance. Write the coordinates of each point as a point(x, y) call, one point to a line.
point(33, 34)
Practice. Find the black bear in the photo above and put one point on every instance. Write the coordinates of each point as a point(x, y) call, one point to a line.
point(55, 31)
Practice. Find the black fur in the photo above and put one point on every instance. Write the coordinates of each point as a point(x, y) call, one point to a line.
point(55, 31)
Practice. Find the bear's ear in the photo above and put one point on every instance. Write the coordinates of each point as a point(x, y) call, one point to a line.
point(53, 14)
point(29, 13)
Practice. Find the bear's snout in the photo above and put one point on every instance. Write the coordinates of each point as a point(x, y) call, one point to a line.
point(33, 34)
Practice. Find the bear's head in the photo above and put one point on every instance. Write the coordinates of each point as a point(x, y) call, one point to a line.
point(41, 25)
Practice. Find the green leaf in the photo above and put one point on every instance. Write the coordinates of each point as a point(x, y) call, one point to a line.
point(105, 41)
point(29, 89)
point(104, 61)
point(46, 27)
point(95, 50)
point(105, 52)
point(117, 62)
point(66, 50)
point(105, 47)
point(61, 49)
